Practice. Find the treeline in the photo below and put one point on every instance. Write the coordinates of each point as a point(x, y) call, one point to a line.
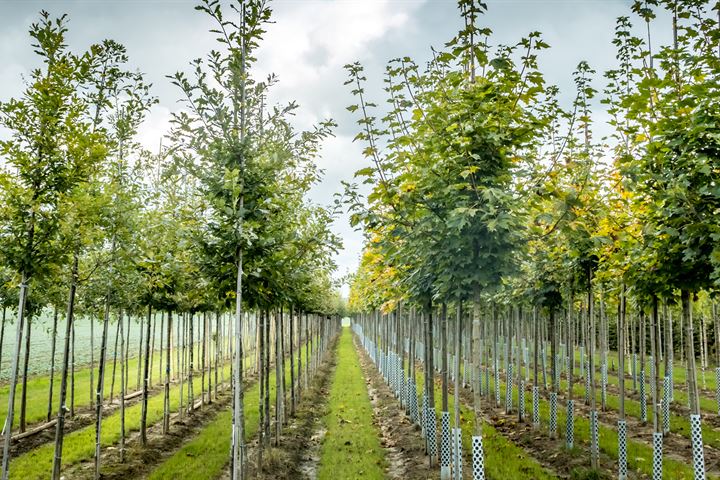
point(216, 220)
point(491, 198)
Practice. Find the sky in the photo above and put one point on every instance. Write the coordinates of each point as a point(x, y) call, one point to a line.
point(307, 47)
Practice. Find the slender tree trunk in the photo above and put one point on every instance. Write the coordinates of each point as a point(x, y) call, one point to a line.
point(13, 377)
point(60, 426)
point(146, 383)
point(292, 364)
point(100, 387)
point(476, 365)
point(693, 394)
point(621, 350)
point(52, 358)
point(112, 381)
point(191, 366)
point(92, 362)
point(238, 437)
point(123, 373)
point(166, 404)
point(26, 365)
point(594, 448)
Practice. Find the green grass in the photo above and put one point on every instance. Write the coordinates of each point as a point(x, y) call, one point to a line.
point(639, 454)
point(206, 455)
point(351, 448)
point(38, 388)
point(80, 444)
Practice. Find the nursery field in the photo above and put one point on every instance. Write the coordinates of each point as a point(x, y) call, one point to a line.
point(472, 250)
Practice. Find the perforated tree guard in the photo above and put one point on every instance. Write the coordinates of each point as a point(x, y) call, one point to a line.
point(478, 458)
point(604, 377)
point(553, 414)
point(672, 381)
point(521, 399)
point(587, 387)
point(697, 447)
point(457, 454)
point(666, 405)
point(445, 449)
point(508, 390)
point(431, 431)
point(622, 450)
point(570, 425)
point(423, 420)
point(643, 400)
point(497, 384)
point(403, 388)
point(536, 406)
point(717, 387)
point(413, 401)
point(657, 467)
point(652, 378)
point(594, 440)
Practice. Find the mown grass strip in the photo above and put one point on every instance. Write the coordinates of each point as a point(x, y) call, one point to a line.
point(80, 444)
point(639, 454)
point(38, 388)
point(503, 459)
point(351, 447)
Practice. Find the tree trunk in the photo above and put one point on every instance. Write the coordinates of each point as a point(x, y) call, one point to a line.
point(238, 436)
point(292, 364)
point(112, 381)
point(26, 365)
point(690, 353)
point(123, 373)
point(166, 403)
point(100, 387)
point(13, 377)
point(146, 383)
point(52, 358)
point(60, 426)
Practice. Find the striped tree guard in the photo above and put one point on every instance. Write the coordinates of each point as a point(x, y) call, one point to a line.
point(521, 400)
point(508, 389)
point(622, 450)
point(457, 454)
point(697, 447)
point(657, 467)
point(536, 406)
point(478, 458)
point(594, 438)
point(403, 388)
point(553, 414)
point(666, 405)
point(445, 445)
point(570, 425)
point(643, 400)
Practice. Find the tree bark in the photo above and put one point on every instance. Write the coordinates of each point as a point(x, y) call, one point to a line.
point(52, 358)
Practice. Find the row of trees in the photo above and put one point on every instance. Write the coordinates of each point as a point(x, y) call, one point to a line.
point(92, 223)
point(486, 190)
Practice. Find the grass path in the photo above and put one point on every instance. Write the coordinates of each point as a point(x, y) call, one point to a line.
point(351, 448)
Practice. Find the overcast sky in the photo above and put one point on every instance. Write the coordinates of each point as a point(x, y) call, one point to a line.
point(307, 47)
